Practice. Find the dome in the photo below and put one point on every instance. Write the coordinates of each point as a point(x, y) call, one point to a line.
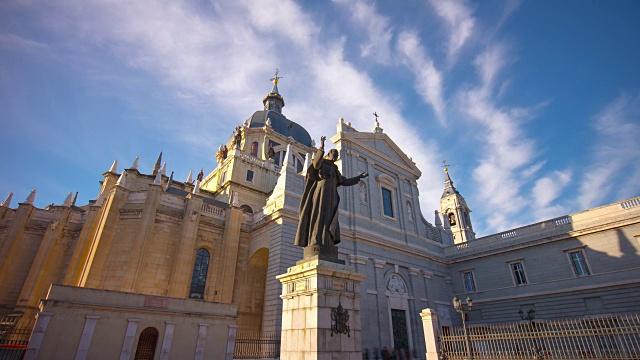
point(281, 125)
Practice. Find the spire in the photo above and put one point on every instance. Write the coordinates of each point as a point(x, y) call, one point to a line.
point(438, 222)
point(170, 182)
point(114, 167)
point(122, 180)
point(68, 200)
point(135, 163)
point(163, 171)
point(158, 179)
point(7, 201)
point(189, 178)
point(287, 157)
point(156, 167)
point(99, 199)
point(196, 188)
point(75, 197)
point(31, 198)
point(307, 160)
point(449, 189)
point(274, 101)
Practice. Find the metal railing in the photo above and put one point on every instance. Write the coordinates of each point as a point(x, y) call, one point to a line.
point(14, 336)
point(602, 337)
point(254, 345)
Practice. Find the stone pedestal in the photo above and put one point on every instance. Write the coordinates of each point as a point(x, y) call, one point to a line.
point(310, 291)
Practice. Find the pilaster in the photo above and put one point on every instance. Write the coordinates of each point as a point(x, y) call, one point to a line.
point(93, 269)
point(45, 268)
point(141, 241)
point(182, 266)
point(82, 250)
point(230, 244)
point(13, 250)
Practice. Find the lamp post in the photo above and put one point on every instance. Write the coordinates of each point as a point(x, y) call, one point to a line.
point(460, 307)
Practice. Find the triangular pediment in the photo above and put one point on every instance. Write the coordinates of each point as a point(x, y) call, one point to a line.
point(380, 144)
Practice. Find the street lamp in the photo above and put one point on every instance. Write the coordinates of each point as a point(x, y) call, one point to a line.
point(460, 307)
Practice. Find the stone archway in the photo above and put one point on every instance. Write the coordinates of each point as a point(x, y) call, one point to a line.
point(251, 299)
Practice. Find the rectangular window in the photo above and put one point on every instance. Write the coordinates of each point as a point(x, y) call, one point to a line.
point(579, 263)
point(387, 203)
point(249, 175)
point(518, 273)
point(469, 282)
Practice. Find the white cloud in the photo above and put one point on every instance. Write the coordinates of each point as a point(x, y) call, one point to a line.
point(460, 23)
point(429, 82)
point(505, 153)
point(547, 190)
point(615, 164)
point(378, 31)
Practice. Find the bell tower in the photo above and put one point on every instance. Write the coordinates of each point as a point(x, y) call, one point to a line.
point(455, 211)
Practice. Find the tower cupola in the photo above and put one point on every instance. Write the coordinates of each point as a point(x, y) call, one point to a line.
point(274, 101)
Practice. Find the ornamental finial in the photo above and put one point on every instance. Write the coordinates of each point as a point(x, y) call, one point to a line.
point(276, 78)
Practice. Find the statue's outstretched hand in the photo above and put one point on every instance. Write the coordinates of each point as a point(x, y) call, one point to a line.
point(363, 175)
point(322, 139)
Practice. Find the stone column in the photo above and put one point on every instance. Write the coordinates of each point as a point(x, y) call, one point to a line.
point(431, 332)
point(33, 348)
point(87, 334)
point(311, 291)
point(129, 338)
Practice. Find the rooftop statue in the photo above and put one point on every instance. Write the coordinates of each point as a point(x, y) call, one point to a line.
point(318, 229)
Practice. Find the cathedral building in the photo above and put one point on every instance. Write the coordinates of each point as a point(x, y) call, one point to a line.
point(155, 265)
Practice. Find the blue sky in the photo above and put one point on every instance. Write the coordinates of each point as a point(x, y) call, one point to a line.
point(534, 104)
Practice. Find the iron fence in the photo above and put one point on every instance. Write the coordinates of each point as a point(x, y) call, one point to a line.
point(14, 336)
point(601, 337)
point(253, 345)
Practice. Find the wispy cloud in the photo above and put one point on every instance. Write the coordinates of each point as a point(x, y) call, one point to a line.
point(506, 153)
point(460, 24)
point(546, 191)
point(615, 166)
point(429, 82)
point(378, 31)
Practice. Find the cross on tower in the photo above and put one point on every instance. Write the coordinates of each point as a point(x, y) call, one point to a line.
point(377, 116)
point(276, 77)
point(445, 165)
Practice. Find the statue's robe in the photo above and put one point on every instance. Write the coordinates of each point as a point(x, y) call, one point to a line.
point(319, 205)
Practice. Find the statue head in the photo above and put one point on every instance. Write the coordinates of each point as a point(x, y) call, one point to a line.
point(332, 155)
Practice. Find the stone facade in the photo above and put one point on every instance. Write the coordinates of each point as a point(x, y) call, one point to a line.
point(144, 232)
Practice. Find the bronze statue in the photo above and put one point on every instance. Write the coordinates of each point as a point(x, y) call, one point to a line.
point(318, 229)
point(200, 175)
point(270, 152)
point(237, 137)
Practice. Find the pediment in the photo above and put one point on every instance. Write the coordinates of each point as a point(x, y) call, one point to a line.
point(381, 144)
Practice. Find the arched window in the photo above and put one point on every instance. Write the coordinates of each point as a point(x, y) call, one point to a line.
point(147, 344)
point(199, 278)
point(254, 148)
